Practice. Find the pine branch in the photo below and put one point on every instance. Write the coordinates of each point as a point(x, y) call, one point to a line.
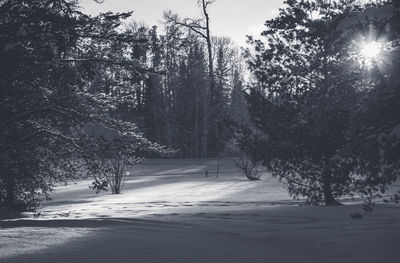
point(22, 115)
point(48, 132)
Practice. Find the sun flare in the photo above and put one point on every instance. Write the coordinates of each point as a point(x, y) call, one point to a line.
point(371, 50)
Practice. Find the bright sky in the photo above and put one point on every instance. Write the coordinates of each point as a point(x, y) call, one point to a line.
point(231, 18)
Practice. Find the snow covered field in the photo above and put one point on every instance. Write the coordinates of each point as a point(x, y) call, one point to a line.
point(166, 216)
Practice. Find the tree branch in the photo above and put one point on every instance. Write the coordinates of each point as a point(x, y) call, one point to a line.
point(25, 114)
point(51, 133)
point(193, 25)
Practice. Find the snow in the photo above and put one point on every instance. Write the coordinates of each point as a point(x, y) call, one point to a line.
point(395, 131)
point(165, 216)
point(25, 240)
point(149, 191)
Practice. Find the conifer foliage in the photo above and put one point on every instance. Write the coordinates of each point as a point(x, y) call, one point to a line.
point(326, 117)
point(59, 73)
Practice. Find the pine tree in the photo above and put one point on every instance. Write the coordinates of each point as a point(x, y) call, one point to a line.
point(219, 132)
point(154, 108)
point(238, 105)
point(308, 91)
point(190, 103)
point(59, 71)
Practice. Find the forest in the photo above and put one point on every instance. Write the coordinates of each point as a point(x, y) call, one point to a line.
point(307, 103)
point(66, 74)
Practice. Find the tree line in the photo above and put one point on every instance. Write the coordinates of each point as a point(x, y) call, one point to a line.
point(192, 105)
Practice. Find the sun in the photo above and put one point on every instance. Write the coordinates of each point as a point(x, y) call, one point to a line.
point(371, 50)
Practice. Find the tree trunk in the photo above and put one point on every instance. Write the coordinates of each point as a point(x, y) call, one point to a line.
point(328, 195)
point(204, 133)
point(158, 132)
point(212, 83)
point(10, 192)
point(196, 130)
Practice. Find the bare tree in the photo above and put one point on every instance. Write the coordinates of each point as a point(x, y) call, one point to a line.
point(249, 167)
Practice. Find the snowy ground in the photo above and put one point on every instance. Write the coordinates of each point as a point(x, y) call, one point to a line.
point(192, 218)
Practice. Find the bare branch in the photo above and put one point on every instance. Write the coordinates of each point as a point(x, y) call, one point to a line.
point(191, 24)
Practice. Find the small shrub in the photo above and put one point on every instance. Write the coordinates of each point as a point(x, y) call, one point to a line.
point(249, 167)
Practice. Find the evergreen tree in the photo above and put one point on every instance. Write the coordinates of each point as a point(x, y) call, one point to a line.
point(374, 139)
point(219, 128)
point(154, 109)
point(50, 89)
point(238, 105)
point(190, 107)
point(304, 106)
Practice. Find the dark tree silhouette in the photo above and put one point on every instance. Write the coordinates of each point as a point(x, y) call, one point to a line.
point(310, 87)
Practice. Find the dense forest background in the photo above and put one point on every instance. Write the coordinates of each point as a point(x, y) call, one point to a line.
point(173, 105)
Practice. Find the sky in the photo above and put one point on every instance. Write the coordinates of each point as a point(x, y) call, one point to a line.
point(229, 18)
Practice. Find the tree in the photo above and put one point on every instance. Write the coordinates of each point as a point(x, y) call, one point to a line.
point(35, 36)
point(309, 89)
point(109, 151)
point(190, 102)
point(375, 138)
point(220, 126)
point(172, 56)
point(238, 105)
point(202, 29)
point(59, 71)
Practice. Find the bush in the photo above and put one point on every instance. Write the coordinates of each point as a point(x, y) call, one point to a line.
point(249, 167)
point(109, 150)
